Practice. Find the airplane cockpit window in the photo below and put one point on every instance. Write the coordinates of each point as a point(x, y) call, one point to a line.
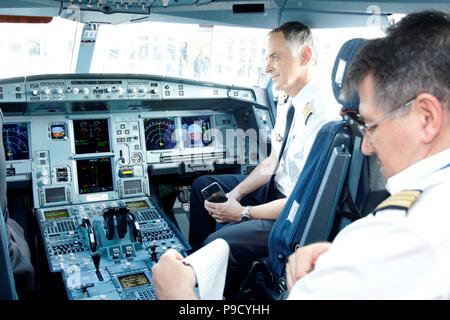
point(41, 49)
point(191, 51)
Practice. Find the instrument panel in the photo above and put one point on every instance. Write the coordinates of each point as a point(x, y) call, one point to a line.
point(91, 145)
point(105, 250)
point(83, 158)
point(88, 137)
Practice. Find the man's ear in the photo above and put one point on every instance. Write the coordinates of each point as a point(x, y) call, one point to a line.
point(306, 55)
point(431, 113)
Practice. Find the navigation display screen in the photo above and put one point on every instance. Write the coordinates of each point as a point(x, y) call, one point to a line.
point(133, 280)
point(94, 175)
point(196, 131)
point(15, 141)
point(91, 136)
point(160, 134)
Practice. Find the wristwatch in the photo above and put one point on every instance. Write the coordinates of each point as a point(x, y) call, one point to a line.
point(245, 215)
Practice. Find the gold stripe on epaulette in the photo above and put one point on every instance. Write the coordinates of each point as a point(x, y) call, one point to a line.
point(402, 200)
point(308, 110)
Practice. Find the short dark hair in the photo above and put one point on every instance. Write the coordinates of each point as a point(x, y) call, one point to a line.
point(297, 34)
point(413, 58)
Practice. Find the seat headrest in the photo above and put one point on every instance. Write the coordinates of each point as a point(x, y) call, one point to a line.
point(340, 69)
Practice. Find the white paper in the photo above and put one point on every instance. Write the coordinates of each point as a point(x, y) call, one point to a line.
point(210, 267)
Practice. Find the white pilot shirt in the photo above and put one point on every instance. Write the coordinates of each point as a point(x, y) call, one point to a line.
point(301, 136)
point(392, 254)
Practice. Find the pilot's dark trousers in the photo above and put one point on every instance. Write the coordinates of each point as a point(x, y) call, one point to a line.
point(247, 240)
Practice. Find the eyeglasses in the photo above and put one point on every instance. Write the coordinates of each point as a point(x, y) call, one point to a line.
point(369, 128)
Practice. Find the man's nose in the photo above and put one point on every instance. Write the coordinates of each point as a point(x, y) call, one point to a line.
point(366, 146)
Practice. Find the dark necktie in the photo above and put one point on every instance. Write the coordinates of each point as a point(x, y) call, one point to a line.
point(287, 128)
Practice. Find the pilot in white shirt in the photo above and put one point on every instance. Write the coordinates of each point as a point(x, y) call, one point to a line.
point(396, 253)
point(312, 111)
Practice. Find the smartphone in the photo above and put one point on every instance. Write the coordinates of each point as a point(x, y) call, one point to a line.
point(214, 193)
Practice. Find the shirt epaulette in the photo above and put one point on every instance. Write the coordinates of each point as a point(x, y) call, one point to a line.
point(308, 110)
point(402, 200)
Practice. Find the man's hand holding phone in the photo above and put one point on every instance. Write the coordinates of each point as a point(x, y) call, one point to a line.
point(221, 208)
point(214, 193)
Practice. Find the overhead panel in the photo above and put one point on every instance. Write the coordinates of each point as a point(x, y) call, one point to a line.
point(125, 6)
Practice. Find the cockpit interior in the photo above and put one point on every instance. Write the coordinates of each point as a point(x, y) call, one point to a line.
point(99, 165)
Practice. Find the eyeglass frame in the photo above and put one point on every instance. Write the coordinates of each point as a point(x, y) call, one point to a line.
point(368, 128)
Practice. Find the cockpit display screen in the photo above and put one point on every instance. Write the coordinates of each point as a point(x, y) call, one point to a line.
point(141, 204)
point(56, 214)
point(196, 131)
point(133, 280)
point(91, 136)
point(58, 131)
point(15, 141)
point(94, 175)
point(160, 134)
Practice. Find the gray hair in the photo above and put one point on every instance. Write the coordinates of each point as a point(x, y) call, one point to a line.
point(413, 58)
point(297, 35)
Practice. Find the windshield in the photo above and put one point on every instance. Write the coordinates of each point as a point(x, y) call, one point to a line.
point(27, 49)
point(210, 53)
point(229, 55)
